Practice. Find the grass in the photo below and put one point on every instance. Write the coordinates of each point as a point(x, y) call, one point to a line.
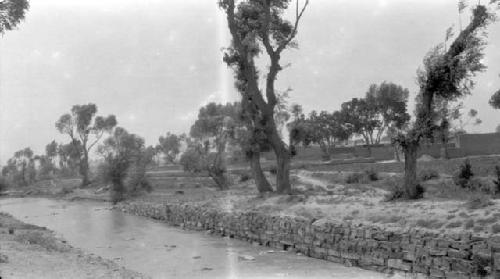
point(495, 228)
point(478, 201)
point(428, 174)
point(481, 166)
point(456, 224)
point(430, 223)
point(469, 224)
point(41, 238)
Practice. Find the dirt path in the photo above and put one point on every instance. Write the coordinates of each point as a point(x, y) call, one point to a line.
point(28, 251)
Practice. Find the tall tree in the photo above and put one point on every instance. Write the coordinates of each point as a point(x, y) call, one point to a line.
point(390, 104)
point(257, 25)
point(327, 129)
point(447, 73)
point(12, 13)
point(170, 146)
point(85, 129)
point(361, 116)
point(212, 130)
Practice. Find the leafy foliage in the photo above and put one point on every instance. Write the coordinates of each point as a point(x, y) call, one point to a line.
point(85, 129)
point(464, 175)
point(20, 169)
point(383, 108)
point(495, 100)
point(255, 27)
point(497, 180)
point(125, 161)
point(170, 146)
point(215, 126)
point(446, 73)
point(12, 13)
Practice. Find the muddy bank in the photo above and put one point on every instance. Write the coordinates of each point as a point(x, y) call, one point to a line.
point(29, 251)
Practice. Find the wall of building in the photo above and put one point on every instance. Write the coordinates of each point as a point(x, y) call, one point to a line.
point(479, 144)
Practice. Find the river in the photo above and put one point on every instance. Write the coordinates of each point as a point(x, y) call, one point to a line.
point(162, 251)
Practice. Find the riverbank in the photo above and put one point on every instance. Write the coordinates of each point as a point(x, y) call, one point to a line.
point(340, 216)
point(411, 253)
point(29, 251)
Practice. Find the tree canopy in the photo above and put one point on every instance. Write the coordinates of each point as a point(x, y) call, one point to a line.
point(85, 129)
point(12, 13)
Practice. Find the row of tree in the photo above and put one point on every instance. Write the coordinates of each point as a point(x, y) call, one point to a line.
point(382, 111)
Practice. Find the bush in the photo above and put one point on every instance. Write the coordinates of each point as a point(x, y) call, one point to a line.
point(428, 174)
point(372, 175)
point(464, 174)
point(397, 191)
point(356, 178)
point(245, 177)
point(497, 181)
point(362, 177)
point(191, 160)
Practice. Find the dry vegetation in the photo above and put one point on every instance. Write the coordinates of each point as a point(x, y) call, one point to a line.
point(354, 193)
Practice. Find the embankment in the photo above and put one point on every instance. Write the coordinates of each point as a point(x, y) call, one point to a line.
point(412, 251)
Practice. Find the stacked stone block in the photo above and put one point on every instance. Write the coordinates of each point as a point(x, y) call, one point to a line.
point(416, 252)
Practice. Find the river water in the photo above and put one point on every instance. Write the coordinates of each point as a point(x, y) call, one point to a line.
point(161, 251)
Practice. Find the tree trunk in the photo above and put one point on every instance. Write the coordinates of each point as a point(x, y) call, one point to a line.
point(282, 153)
point(396, 153)
point(258, 175)
point(219, 178)
point(282, 164)
point(410, 181)
point(84, 169)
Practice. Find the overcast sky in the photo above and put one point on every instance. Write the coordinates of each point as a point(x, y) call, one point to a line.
point(153, 63)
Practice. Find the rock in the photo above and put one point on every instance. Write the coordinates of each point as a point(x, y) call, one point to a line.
point(207, 269)
point(11, 230)
point(197, 257)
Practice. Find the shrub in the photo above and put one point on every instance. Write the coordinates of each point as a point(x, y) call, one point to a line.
point(355, 178)
point(397, 191)
point(497, 181)
point(191, 160)
point(372, 175)
point(464, 174)
point(245, 177)
point(482, 185)
point(135, 178)
point(428, 174)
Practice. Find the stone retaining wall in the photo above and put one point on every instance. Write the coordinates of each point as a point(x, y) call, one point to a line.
point(423, 254)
